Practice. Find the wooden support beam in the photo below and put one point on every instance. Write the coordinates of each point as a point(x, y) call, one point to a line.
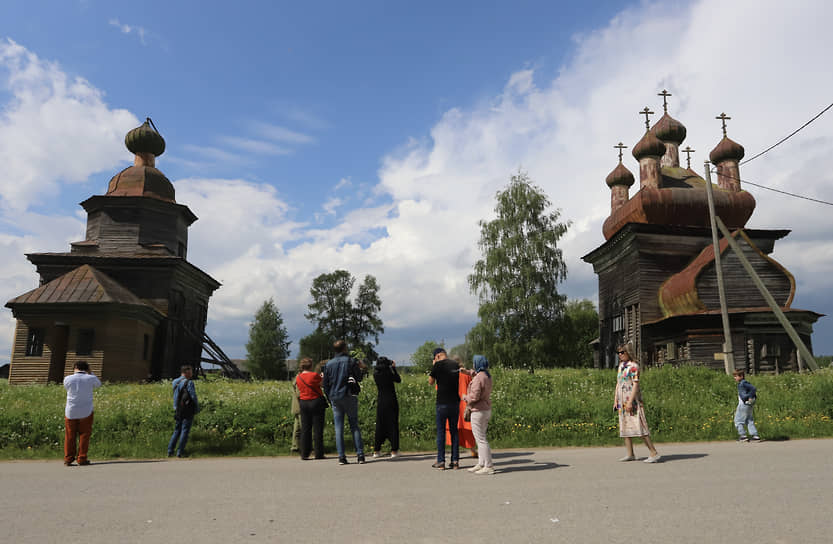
point(803, 352)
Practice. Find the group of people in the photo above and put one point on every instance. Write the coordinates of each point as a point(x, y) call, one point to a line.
point(337, 383)
point(463, 402)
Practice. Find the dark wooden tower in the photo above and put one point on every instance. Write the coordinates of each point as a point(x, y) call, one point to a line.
point(657, 279)
point(125, 299)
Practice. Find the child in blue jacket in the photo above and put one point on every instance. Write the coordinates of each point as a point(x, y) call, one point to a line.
point(744, 414)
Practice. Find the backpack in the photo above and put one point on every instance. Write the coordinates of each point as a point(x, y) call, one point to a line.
point(185, 404)
point(353, 386)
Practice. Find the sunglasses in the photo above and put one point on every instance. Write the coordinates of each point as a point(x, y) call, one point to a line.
point(621, 352)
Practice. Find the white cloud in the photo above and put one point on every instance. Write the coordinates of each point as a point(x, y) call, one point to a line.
point(129, 29)
point(280, 134)
point(54, 129)
point(259, 147)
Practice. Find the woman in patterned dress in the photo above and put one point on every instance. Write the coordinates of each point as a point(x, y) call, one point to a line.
point(628, 402)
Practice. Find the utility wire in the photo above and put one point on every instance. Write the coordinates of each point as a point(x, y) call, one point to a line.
point(773, 146)
point(714, 170)
point(782, 140)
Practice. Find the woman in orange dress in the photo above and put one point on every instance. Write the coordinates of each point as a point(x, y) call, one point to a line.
point(463, 427)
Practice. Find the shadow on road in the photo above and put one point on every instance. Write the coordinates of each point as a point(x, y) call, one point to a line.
point(126, 461)
point(522, 465)
point(682, 456)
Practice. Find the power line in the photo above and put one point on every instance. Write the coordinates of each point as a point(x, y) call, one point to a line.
point(773, 146)
point(781, 141)
point(714, 170)
point(789, 194)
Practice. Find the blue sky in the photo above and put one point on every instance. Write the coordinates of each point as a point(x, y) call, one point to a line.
point(372, 136)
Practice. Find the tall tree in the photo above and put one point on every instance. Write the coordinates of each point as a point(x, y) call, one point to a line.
point(317, 346)
point(335, 316)
point(367, 325)
point(575, 330)
point(268, 345)
point(423, 358)
point(331, 310)
point(517, 278)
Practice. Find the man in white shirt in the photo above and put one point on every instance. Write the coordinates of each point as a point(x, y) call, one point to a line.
point(78, 416)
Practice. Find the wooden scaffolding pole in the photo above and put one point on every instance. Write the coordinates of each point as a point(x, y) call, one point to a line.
point(803, 352)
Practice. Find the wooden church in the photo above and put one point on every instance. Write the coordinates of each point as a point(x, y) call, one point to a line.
point(657, 278)
point(125, 299)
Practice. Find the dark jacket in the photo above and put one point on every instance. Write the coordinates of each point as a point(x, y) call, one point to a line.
point(336, 372)
point(385, 377)
point(746, 391)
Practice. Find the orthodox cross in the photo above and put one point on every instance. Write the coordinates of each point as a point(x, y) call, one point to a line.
point(723, 117)
point(620, 147)
point(664, 94)
point(646, 112)
point(688, 151)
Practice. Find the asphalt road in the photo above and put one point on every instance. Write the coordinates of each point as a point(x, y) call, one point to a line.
point(772, 492)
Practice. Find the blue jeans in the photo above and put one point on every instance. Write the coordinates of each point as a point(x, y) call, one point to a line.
point(450, 413)
point(347, 405)
point(181, 431)
point(744, 415)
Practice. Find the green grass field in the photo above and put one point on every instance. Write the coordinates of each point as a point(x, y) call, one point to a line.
point(565, 407)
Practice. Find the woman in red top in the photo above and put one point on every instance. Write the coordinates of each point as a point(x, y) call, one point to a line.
point(313, 406)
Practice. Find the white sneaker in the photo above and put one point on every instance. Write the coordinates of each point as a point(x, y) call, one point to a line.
point(486, 470)
point(394, 454)
point(376, 455)
point(475, 468)
point(654, 459)
point(628, 458)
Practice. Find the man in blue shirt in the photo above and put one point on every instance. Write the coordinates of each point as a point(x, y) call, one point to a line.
point(185, 407)
point(340, 370)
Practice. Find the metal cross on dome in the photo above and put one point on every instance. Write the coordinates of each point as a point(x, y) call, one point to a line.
point(723, 117)
point(620, 147)
point(688, 151)
point(646, 112)
point(664, 94)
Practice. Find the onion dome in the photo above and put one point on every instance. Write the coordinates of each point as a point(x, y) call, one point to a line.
point(142, 181)
point(648, 146)
point(620, 176)
point(669, 129)
point(143, 178)
point(726, 150)
point(145, 139)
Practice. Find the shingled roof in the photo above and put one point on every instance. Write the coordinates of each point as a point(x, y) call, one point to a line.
point(81, 285)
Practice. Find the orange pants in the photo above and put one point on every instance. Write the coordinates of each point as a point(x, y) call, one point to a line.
point(79, 429)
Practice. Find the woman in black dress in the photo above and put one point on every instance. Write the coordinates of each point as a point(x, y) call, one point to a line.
point(387, 407)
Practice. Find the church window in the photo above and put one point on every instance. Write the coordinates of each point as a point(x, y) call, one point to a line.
point(145, 347)
point(84, 346)
point(34, 343)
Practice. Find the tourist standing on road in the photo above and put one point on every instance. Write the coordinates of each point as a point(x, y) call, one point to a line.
point(465, 437)
point(479, 401)
point(341, 384)
point(744, 413)
point(628, 401)
point(185, 408)
point(295, 408)
point(313, 407)
point(387, 407)
point(78, 414)
point(446, 373)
